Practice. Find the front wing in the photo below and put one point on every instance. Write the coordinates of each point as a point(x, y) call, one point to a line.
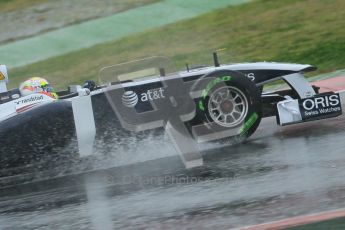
point(317, 107)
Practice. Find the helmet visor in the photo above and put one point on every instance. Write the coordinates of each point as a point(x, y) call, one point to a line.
point(47, 88)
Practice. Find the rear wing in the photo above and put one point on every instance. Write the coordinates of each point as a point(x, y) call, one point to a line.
point(5, 94)
point(3, 79)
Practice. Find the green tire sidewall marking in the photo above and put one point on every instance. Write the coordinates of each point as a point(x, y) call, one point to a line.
point(201, 106)
point(209, 87)
point(249, 123)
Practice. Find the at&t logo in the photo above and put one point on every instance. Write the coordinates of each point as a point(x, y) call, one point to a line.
point(130, 99)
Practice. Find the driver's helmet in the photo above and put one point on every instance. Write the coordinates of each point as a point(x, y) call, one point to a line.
point(37, 85)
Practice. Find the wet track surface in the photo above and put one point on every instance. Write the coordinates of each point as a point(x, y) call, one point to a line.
point(278, 173)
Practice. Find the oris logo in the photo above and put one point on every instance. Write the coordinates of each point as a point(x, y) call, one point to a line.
point(130, 99)
point(321, 102)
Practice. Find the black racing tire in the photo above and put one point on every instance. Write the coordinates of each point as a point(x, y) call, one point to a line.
point(230, 101)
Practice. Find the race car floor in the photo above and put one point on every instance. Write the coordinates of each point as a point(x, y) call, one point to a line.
point(280, 172)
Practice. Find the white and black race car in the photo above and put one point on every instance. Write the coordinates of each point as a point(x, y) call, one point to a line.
point(203, 104)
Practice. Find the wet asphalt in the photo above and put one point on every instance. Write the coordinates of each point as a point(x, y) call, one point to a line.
point(279, 172)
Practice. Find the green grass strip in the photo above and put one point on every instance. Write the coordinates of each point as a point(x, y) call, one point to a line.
point(297, 31)
point(105, 29)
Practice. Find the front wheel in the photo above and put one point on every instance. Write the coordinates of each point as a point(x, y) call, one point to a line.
point(229, 107)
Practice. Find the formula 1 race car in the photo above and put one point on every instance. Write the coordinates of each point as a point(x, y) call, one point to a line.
point(202, 104)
